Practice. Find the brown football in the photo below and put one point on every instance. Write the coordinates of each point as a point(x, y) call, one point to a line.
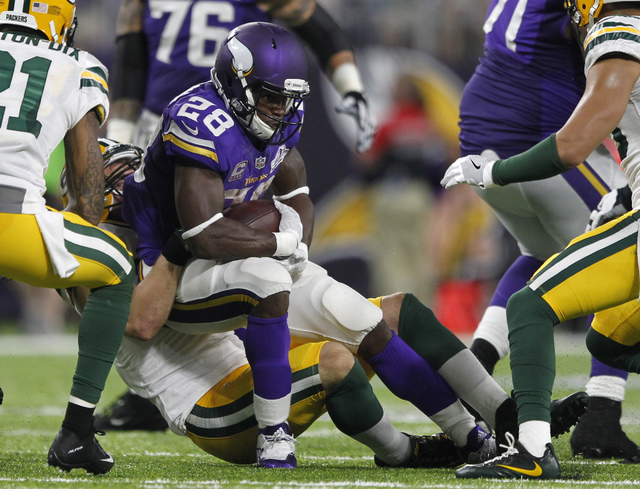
point(257, 214)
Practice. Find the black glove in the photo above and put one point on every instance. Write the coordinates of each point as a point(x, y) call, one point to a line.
point(175, 250)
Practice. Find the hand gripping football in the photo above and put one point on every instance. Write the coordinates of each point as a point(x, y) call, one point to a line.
point(258, 214)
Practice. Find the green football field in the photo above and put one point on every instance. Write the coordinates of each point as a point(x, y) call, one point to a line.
point(35, 376)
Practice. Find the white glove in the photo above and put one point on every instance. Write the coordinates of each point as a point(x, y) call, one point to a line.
point(612, 205)
point(290, 230)
point(355, 104)
point(474, 170)
point(297, 262)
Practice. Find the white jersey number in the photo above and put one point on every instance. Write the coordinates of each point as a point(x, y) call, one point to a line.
point(26, 105)
point(218, 121)
point(199, 31)
point(514, 23)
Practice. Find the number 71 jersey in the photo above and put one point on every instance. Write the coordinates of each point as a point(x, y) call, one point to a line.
point(45, 90)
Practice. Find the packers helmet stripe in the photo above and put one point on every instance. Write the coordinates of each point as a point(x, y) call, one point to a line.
point(20, 5)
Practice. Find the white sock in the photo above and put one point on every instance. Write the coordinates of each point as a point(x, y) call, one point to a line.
point(456, 422)
point(391, 446)
point(608, 386)
point(476, 386)
point(271, 412)
point(494, 329)
point(534, 436)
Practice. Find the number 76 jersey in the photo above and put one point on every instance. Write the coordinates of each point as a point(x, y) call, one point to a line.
point(45, 89)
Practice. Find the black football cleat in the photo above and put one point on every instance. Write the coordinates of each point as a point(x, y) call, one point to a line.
point(131, 412)
point(515, 463)
point(1, 396)
point(598, 434)
point(566, 412)
point(69, 452)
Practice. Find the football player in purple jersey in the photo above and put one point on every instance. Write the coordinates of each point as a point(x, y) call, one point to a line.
point(163, 48)
point(230, 140)
point(320, 309)
point(525, 87)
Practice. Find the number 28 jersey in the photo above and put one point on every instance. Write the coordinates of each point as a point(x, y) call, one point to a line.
point(197, 127)
point(45, 90)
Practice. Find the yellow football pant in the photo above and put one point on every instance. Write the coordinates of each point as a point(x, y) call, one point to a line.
point(222, 422)
point(104, 259)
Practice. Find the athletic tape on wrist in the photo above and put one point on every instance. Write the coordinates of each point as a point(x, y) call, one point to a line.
point(286, 244)
point(346, 78)
point(201, 227)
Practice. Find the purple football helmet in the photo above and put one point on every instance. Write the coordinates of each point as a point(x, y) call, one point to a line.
point(259, 60)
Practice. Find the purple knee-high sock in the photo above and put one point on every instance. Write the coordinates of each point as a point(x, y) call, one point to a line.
point(267, 343)
point(412, 378)
point(598, 368)
point(514, 279)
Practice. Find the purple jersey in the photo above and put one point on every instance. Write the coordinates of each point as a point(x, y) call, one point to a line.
point(183, 38)
point(198, 127)
point(528, 82)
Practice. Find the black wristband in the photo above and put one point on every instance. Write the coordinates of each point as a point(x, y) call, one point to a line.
point(323, 35)
point(175, 250)
point(129, 68)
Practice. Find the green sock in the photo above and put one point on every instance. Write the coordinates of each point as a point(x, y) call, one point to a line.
point(533, 363)
point(352, 405)
point(101, 329)
point(420, 329)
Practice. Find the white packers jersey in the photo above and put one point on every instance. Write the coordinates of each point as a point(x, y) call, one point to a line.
point(175, 370)
point(45, 90)
point(621, 34)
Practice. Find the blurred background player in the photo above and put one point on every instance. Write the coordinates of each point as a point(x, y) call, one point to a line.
point(163, 48)
point(53, 92)
point(598, 271)
point(527, 84)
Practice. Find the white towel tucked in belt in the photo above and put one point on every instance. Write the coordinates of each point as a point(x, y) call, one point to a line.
point(52, 228)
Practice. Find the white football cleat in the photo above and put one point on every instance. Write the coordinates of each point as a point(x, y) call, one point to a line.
point(276, 448)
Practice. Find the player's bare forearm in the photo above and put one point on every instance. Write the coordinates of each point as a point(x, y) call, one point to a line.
point(126, 108)
point(130, 17)
point(227, 239)
point(153, 299)
point(291, 12)
point(84, 159)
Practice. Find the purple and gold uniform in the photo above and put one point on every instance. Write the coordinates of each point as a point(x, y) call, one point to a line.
point(184, 37)
point(197, 126)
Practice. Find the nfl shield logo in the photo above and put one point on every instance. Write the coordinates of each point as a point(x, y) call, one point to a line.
point(261, 162)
